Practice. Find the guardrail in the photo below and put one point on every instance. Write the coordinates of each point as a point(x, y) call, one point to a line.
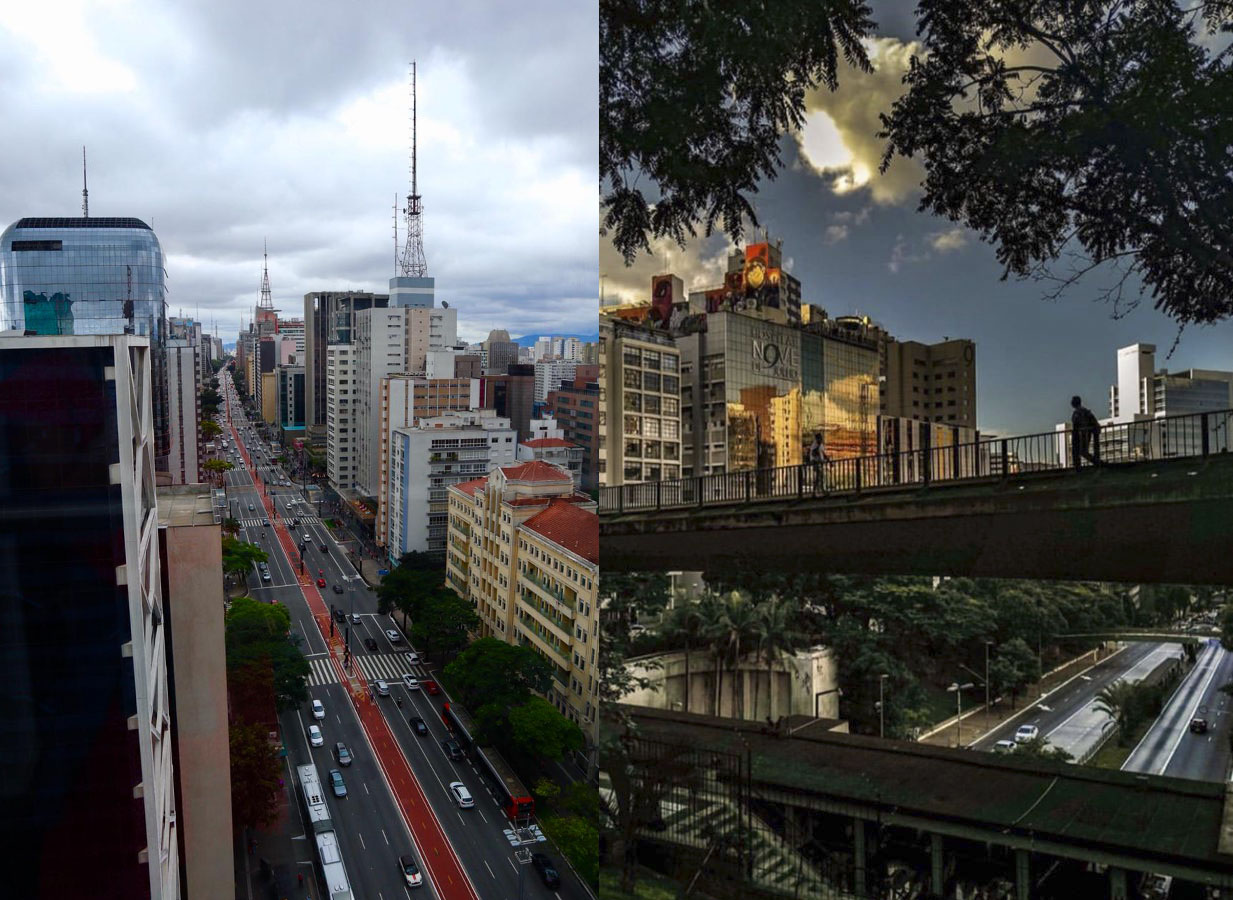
point(1167, 437)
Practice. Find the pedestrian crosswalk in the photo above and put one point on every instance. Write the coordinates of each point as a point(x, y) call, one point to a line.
point(260, 523)
point(387, 666)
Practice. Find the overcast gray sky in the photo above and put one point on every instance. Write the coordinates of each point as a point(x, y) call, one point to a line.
point(857, 243)
point(227, 122)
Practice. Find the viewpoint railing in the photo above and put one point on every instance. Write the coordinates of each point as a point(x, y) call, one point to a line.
point(1167, 437)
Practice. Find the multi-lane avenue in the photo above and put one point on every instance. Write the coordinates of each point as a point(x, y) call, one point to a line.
point(385, 814)
point(1068, 717)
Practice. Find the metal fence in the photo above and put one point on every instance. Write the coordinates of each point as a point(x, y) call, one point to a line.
point(1169, 437)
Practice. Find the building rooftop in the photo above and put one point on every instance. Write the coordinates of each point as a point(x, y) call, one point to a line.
point(569, 526)
point(547, 442)
point(184, 505)
point(79, 222)
point(470, 487)
point(536, 470)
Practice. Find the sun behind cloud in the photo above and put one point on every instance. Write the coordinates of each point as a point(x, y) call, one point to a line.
point(839, 137)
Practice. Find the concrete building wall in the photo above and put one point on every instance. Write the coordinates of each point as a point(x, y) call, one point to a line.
point(183, 386)
point(790, 688)
point(194, 593)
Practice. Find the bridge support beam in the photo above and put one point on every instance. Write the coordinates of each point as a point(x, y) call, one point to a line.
point(860, 855)
point(1023, 875)
point(937, 869)
point(1117, 883)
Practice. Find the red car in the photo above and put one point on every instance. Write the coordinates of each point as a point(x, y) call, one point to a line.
point(320, 582)
point(430, 687)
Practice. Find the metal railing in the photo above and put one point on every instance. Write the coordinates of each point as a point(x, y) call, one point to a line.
point(1169, 437)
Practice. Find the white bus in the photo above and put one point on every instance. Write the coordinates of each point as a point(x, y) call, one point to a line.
point(330, 857)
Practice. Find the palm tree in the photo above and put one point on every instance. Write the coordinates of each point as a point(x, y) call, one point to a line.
point(777, 636)
point(734, 632)
point(686, 623)
point(1115, 700)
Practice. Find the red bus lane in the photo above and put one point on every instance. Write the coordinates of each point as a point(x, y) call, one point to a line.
point(438, 857)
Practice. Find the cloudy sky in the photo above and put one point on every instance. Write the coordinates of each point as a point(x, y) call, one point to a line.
point(224, 123)
point(858, 245)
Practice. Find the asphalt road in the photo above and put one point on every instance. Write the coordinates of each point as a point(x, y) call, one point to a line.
point(1169, 747)
point(371, 832)
point(1066, 717)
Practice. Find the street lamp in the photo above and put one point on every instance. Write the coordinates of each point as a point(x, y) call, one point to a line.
point(987, 644)
point(882, 705)
point(959, 689)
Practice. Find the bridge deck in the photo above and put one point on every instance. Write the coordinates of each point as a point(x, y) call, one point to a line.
point(1174, 821)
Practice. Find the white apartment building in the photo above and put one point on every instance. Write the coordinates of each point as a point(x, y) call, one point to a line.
point(405, 399)
point(294, 330)
point(426, 459)
point(549, 373)
point(380, 351)
point(341, 450)
point(183, 390)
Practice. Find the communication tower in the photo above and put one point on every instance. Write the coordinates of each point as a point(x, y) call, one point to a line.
point(413, 263)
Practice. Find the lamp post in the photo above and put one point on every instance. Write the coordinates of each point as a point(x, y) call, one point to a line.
point(882, 705)
point(987, 710)
point(959, 689)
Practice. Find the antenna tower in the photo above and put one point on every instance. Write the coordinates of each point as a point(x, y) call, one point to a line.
point(85, 194)
point(395, 232)
point(267, 299)
point(412, 262)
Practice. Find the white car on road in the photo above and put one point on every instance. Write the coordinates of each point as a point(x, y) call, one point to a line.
point(314, 736)
point(411, 682)
point(393, 635)
point(318, 710)
point(461, 795)
point(1025, 733)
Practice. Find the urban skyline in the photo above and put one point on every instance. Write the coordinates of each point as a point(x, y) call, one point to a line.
point(310, 150)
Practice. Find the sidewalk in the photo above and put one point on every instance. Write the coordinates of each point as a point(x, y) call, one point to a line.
point(979, 721)
point(268, 862)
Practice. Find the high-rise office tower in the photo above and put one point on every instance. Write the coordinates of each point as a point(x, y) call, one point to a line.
point(89, 782)
point(90, 276)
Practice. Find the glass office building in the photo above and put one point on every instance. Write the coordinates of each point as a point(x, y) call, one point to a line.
point(90, 276)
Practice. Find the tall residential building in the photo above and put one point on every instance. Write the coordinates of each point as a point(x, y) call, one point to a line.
point(329, 318)
point(1142, 391)
point(929, 382)
point(576, 409)
point(406, 399)
point(189, 330)
point(184, 406)
point(550, 373)
point(190, 547)
point(524, 549)
point(380, 351)
point(341, 440)
point(512, 395)
point(640, 386)
point(90, 276)
point(89, 773)
point(425, 460)
point(499, 353)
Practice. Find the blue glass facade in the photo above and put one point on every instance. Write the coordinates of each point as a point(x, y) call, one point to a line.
point(90, 276)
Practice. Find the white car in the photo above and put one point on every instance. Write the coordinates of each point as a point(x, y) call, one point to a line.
point(318, 710)
point(461, 795)
point(383, 689)
point(393, 635)
point(1025, 733)
point(1004, 747)
point(314, 736)
point(413, 658)
point(410, 682)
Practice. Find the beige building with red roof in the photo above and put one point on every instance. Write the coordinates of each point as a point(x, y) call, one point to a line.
point(523, 547)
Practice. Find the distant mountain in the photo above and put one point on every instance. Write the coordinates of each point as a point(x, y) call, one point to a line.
point(529, 340)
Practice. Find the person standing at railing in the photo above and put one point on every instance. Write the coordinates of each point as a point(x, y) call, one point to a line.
point(1085, 434)
point(816, 456)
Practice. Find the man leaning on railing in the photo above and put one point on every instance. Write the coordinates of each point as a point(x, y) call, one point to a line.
point(816, 457)
point(1085, 436)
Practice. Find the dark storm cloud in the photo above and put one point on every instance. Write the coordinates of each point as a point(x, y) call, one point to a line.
point(228, 122)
